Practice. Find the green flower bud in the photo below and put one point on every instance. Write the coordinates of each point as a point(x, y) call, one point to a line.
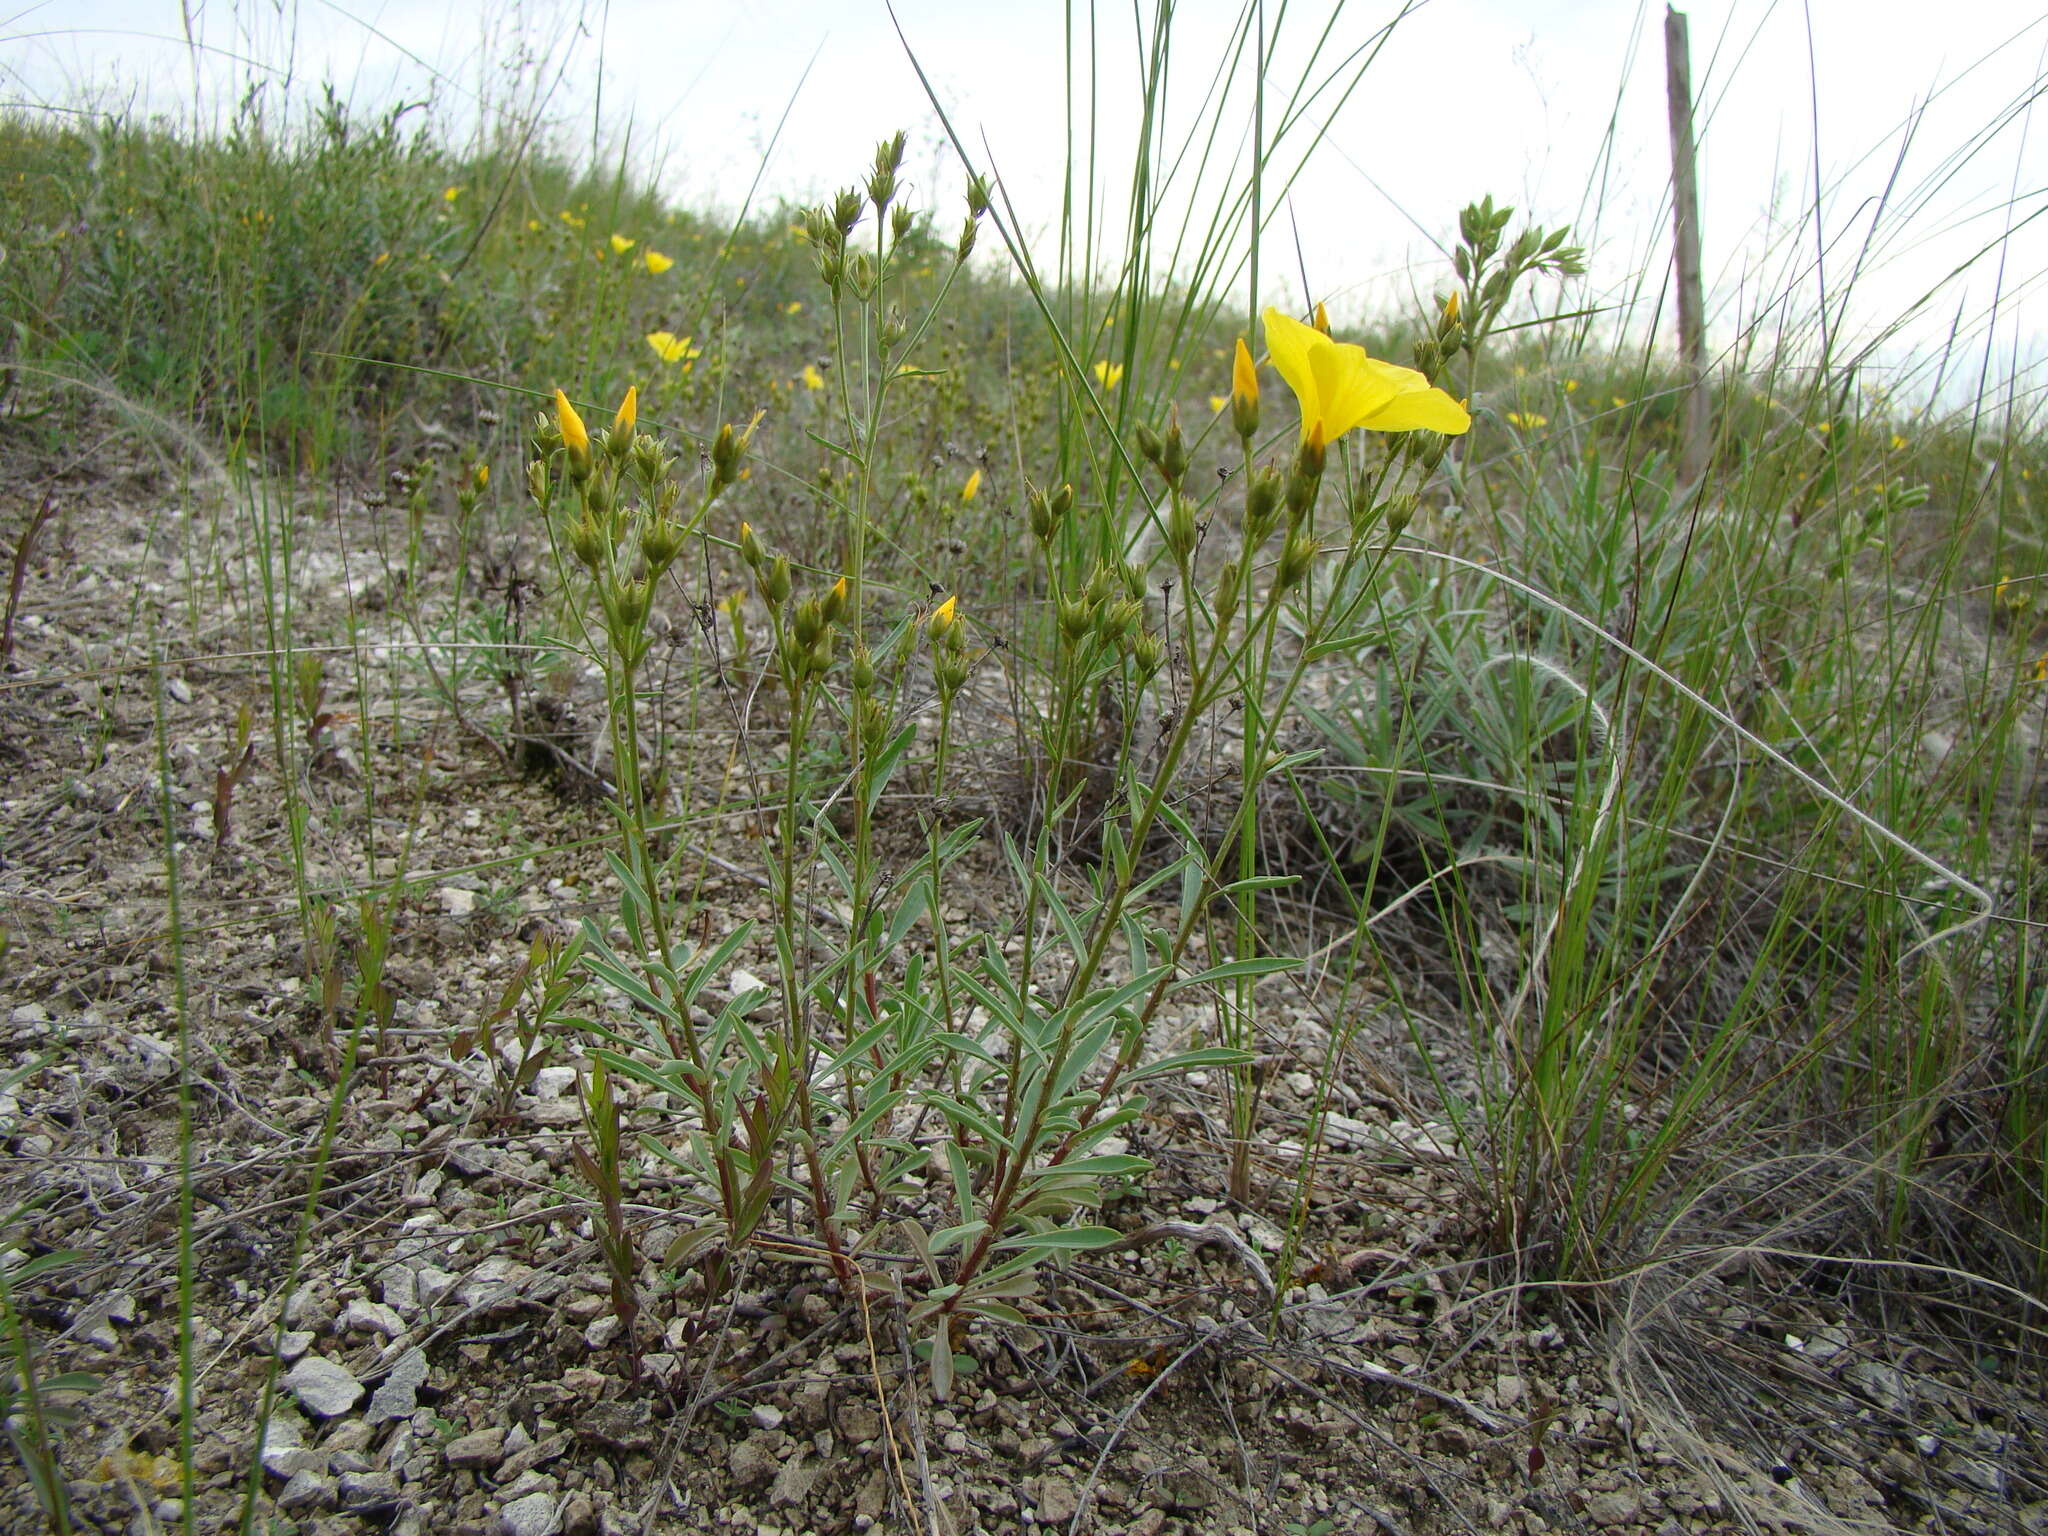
point(809, 625)
point(1226, 592)
point(537, 480)
point(597, 496)
point(1261, 506)
point(632, 599)
point(1114, 621)
point(648, 459)
point(776, 582)
point(587, 542)
point(1076, 619)
point(1296, 558)
point(751, 548)
point(1149, 445)
point(1061, 502)
point(863, 670)
point(964, 246)
point(1399, 511)
point(833, 603)
point(899, 223)
point(1148, 654)
point(1100, 584)
point(1181, 532)
point(1173, 457)
point(660, 542)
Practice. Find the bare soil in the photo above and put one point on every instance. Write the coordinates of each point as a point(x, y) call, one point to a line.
point(451, 1359)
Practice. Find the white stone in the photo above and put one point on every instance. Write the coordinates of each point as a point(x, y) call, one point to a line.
point(323, 1387)
point(533, 1515)
point(455, 901)
point(553, 1082)
point(364, 1316)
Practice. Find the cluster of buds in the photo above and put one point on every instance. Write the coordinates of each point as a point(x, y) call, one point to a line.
point(623, 527)
point(1168, 454)
point(470, 490)
point(1435, 351)
point(804, 629)
point(977, 207)
point(1111, 610)
point(950, 662)
point(826, 231)
point(1047, 510)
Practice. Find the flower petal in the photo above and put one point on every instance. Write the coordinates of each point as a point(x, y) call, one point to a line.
point(1287, 342)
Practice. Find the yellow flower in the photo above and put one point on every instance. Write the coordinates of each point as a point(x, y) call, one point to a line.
point(942, 621)
point(629, 410)
point(1527, 421)
point(812, 379)
point(621, 244)
point(1619, 403)
point(1451, 307)
point(449, 194)
point(656, 262)
point(380, 258)
point(1571, 386)
point(1340, 388)
point(1217, 402)
point(571, 220)
point(574, 437)
point(1898, 443)
point(533, 226)
point(1107, 374)
point(793, 307)
point(972, 488)
point(2041, 668)
point(671, 348)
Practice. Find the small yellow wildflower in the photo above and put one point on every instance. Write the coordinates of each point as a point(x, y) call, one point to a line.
point(1341, 388)
point(1108, 374)
point(656, 262)
point(1618, 403)
point(2041, 668)
point(621, 244)
point(380, 258)
point(1527, 421)
point(1451, 307)
point(971, 489)
point(1571, 386)
point(533, 226)
point(571, 220)
point(1217, 403)
point(671, 348)
point(1898, 443)
point(449, 194)
point(812, 379)
point(574, 436)
point(793, 307)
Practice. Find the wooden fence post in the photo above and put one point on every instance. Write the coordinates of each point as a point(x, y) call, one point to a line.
point(1696, 440)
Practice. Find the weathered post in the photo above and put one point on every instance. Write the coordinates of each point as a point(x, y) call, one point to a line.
point(1695, 443)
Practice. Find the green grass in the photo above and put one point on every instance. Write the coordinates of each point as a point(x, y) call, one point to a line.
point(1697, 818)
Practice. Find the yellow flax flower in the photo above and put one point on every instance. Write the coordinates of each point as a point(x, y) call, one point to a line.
point(1527, 421)
point(1340, 388)
point(574, 436)
point(1217, 403)
point(1108, 374)
point(449, 194)
point(671, 348)
point(793, 307)
point(656, 262)
point(972, 488)
point(812, 379)
point(621, 244)
point(571, 220)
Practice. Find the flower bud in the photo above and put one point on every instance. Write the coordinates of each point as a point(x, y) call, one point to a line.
point(660, 542)
point(726, 452)
point(942, 621)
point(1148, 653)
point(1181, 532)
point(537, 480)
point(1296, 557)
point(1399, 511)
point(899, 223)
point(586, 542)
point(977, 196)
point(575, 438)
point(1322, 321)
point(863, 670)
point(1226, 592)
point(1076, 618)
point(808, 625)
point(1043, 524)
point(622, 422)
point(833, 604)
point(846, 212)
point(751, 549)
point(1114, 621)
point(649, 462)
point(776, 582)
point(964, 246)
point(1173, 454)
point(1100, 584)
point(597, 496)
point(1244, 392)
point(631, 600)
point(1261, 505)
point(1148, 444)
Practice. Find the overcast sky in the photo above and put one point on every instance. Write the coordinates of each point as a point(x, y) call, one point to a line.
point(1557, 106)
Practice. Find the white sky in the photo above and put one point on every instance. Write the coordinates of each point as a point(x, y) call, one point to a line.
point(1465, 97)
